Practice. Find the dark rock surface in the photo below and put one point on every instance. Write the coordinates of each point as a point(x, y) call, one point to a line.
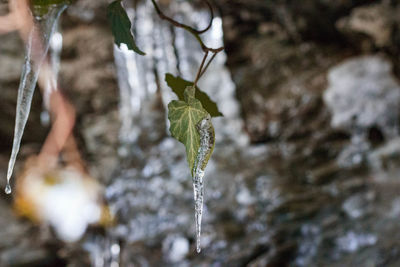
point(279, 52)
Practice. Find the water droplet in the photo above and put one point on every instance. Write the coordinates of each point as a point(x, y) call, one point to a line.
point(198, 249)
point(8, 189)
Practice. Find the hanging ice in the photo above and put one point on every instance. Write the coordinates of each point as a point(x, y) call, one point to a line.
point(35, 53)
point(206, 131)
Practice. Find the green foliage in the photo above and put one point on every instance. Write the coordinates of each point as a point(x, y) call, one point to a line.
point(121, 26)
point(50, 2)
point(178, 86)
point(41, 7)
point(184, 117)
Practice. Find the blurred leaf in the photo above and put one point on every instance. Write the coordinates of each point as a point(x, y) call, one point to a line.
point(178, 86)
point(50, 2)
point(184, 117)
point(121, 26)
point(42, 7)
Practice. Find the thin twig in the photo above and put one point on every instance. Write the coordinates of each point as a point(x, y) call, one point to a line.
point(200, 68)
point(208, 64)
point(193, 31)
point(178, 24)
point(211, 17)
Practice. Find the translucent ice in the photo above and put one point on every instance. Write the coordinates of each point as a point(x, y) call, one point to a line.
point(35, 53)
point(206, 132)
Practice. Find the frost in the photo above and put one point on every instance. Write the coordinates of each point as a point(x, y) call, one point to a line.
point(206, 132)
point(35, 53)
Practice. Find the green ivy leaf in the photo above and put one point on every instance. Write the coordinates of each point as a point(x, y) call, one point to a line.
point(178, 85)
point(184, 116)
point(121, 26)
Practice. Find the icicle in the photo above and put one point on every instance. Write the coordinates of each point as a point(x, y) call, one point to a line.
point(8, 188)
point(35, 54)
point(206, 132)
point(198, 205)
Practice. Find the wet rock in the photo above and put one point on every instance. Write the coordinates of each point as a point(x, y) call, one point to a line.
point(86, 11)
point(261, 72)
point(354, 155)
point(100, 134)
point(308, 248)
point(283, 103)
point(89, 80)
point(22, 244)
point(22, 256)
point(386, 156)
point(395, 210)
point(375, 21)
point(175, 248)
point(11, 57)
point(352, 241)
point(362, 94)
point(280, 74)
point(314, 19)
point(244, 197)
point(323, 174)
point(357, 205)
point(96, 68)
point(277, 257)
point(349, 185)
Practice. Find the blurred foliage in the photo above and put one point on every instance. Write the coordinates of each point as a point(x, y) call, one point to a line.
point(121, 26)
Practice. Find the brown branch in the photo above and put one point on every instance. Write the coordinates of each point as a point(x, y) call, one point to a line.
point(180, 25)
point(211, 17)
point(193, 31)
point(208, 64)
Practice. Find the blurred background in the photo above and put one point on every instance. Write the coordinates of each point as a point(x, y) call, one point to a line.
point(305, 170)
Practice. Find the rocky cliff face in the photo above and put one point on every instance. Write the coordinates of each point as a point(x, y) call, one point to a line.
point(316, 83)
point(279, 54)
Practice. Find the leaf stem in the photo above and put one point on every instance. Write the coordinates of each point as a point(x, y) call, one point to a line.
point(200, 69)
point(208, 64)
